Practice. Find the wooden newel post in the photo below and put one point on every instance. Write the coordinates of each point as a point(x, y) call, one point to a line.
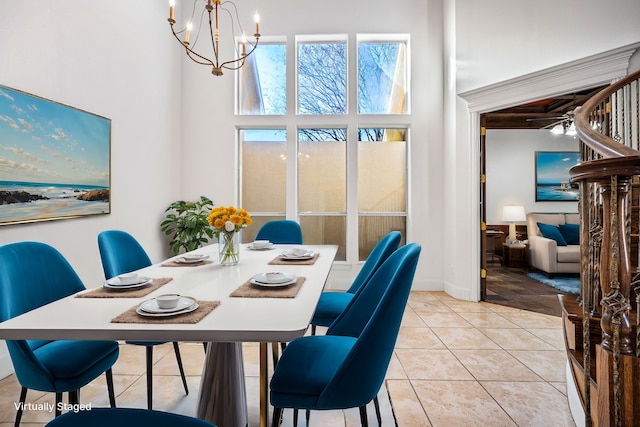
point(614, 266)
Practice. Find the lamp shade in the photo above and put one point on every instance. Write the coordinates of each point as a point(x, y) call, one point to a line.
point(513, 213)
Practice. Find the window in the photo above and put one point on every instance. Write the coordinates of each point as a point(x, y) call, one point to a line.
point(340, 171)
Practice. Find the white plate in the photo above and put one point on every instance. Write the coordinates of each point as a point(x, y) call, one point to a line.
point(151, 306)
point(273, 278)
point(189, 309)
point(289, 255)
point(263, 248)
point(273, 285)
point(116, 283)
point(191, 259)
point(127, 279)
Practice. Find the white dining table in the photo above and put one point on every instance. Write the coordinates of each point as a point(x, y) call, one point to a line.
point(235, 320)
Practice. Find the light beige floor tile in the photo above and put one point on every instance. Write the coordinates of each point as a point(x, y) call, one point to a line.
point(497, 308)
point(468, 307)
point(411, 319)
point(421, 296)
point(551, 336)
point(406, 405)
point(432, 365)
point(531, 404)
point(459, 403)
point(442, 296)
point(464, 338)
point(395, 370)
point(192, 360)
point(495, 365)
point(529, 319)
point(132, 358)
point(550, 365)
point(418, 338)
point(432, 306)
point(487, 320)
point(444, 320)
point(560, 386)
point(516, 339)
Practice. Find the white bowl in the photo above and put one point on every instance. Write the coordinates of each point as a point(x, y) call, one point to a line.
point(168, 300)
point(258, 244)
point(128, 279)
point(298, 251)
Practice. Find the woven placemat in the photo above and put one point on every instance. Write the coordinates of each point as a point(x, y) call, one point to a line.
point(247, 290)
point(126, 293)
point(204, 308)
point(281, 261)
point(185, 264)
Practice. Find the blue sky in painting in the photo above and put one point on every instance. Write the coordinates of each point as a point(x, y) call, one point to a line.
point(553, 167)
point(42, 141)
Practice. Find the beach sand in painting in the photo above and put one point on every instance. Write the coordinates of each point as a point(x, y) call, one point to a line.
point(54, 201)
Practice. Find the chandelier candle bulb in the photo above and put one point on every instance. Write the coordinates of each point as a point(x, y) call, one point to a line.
point(189, 28)
point(256, 17)
point(172, 5)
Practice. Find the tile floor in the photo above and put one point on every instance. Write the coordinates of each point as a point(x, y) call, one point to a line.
point(456, 364)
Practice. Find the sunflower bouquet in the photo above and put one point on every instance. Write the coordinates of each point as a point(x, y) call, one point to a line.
point(227, 222)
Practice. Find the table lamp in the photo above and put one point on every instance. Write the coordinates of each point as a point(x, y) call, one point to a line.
point(511, 214)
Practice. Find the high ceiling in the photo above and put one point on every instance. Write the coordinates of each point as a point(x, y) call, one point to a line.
point(538, 114)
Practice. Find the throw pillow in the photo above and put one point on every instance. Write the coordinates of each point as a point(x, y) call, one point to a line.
point(552, 232)
point(571, 233)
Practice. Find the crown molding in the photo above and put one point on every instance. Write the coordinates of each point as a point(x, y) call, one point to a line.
point(595, 70)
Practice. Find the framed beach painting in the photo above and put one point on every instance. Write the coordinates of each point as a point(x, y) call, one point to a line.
point(553, 181)
point(54, 160)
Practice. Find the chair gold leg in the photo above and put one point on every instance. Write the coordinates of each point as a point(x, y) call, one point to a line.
point(264, 385)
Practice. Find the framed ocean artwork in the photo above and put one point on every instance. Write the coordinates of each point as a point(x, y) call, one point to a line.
point(553, 180)
point(54, 160)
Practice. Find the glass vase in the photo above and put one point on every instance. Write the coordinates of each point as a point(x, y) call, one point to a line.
point(229, 248)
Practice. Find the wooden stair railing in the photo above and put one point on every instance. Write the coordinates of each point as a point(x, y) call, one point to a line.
point(600, 326)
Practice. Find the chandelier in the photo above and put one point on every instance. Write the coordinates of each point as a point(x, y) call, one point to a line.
point(189, 41)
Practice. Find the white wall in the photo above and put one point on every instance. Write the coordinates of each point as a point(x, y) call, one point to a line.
point(510, 156)
point(502, 39)
point(102, 57)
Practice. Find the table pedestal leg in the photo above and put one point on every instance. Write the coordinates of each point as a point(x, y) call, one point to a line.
point(223, 396)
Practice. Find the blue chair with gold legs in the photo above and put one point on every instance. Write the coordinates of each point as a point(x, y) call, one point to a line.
point(34, 274)
point(121, 253)
point(126, 417)
point(346, 367)
point(331, 304)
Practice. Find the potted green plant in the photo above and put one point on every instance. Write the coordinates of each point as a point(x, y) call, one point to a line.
point(186, 223)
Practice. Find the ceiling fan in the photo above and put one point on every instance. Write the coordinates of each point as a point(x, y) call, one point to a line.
point(563, 124)
point(566, 119)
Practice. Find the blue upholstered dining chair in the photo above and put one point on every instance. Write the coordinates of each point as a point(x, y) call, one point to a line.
point(121, 253)
point(126, 417)
point(331, 304)
point(283, 231)
point(34, 274)
point(346, 367)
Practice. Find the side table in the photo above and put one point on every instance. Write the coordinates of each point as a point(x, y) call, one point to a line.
point(516, 255)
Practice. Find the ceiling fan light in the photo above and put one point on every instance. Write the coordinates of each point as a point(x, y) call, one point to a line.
point(557, 129)
point(571, 130)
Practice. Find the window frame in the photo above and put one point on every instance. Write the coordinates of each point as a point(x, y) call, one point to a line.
point(351, 120)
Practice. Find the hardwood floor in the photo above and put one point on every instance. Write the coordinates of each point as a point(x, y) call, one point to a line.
point(513, 288)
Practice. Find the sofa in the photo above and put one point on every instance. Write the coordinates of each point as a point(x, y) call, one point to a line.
point(554, 242)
